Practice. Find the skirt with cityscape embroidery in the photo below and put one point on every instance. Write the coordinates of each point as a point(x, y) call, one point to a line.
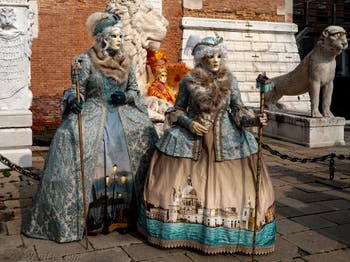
point(207, 205)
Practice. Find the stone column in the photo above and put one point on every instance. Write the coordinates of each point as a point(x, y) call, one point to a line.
point(16, 20)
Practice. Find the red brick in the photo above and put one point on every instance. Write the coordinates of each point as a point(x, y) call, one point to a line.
point(63, 35)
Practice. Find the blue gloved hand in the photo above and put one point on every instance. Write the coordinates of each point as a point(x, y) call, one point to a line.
point(118, 98)
point(76, 78)
point(76, 106)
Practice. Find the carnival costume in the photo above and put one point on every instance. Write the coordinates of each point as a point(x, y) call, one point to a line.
point(159, 87)
point(114, 133)
point(161, 90)
point(200, 190)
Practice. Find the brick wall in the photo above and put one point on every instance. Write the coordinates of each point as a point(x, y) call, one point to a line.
point(172, 10)
point(258, 10)
point(62, 35)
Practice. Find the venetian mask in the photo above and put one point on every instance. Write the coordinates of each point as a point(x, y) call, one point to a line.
point(162, 77)
point(114, 38)
point(213, 62)
point(160, 73)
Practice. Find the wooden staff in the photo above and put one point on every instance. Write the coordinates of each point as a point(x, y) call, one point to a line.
point(263, 83)
point(76, 72)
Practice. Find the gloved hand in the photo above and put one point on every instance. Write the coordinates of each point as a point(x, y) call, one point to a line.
point(118, 98)
point(197, 128)
point(263, 79)
point(76, 106)
point(76, 78)
point(261, 119)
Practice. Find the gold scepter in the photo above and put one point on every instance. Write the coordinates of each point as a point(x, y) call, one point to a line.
point(264, 85)
point(76, 71)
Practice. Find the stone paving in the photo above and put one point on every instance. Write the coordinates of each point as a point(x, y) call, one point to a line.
point(313, 216)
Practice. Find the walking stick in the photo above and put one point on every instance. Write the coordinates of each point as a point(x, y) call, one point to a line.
point(105, 229)
point(264, 84)
point(76, 72)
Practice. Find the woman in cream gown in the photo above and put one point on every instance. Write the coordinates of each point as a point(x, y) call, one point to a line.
point(200, 189)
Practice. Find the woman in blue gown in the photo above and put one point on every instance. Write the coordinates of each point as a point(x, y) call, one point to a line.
point(116, 131)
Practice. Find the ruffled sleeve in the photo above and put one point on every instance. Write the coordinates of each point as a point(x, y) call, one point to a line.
point(133, 95)
point(240, 114)
point(180, 115)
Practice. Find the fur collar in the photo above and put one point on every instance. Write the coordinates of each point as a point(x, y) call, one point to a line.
point(208, 90)
point(112, 67)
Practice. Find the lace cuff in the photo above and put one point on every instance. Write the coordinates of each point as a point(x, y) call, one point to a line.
point(244, 117)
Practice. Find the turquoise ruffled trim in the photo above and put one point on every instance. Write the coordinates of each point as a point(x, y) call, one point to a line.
point(211, 236)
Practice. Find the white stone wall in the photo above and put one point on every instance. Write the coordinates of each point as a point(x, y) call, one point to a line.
point(16, 33)
point(33, 5)
point(253, 47)
point(16, 137)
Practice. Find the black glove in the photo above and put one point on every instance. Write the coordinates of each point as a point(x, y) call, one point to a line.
point(263, 79)
point(76, 106)
point(118, 98)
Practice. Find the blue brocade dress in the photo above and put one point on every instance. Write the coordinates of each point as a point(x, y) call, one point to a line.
point(121, 135)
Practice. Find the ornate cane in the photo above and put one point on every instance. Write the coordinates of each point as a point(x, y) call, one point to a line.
point(264, 84)
point(76, 71)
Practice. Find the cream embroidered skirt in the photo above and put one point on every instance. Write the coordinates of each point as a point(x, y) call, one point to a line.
point(207, 205)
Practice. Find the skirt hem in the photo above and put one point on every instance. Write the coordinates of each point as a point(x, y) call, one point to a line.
point(211, 250)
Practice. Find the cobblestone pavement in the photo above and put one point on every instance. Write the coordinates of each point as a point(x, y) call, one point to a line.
point(313, 216)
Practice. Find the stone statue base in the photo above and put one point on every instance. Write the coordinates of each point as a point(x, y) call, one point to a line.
point(305, 130)
point(16, 137)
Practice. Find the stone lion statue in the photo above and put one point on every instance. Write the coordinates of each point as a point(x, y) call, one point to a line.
point(156, 111)
point(314, 73)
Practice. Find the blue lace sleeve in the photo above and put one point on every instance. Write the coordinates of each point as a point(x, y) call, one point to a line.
point(181, 105)
point(133, 95)
point(132, 90)
point(240, 114)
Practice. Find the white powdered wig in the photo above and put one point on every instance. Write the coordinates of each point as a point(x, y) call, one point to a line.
point(205, 47)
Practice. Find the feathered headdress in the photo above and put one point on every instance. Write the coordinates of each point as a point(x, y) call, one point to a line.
point(192, 41)
point(157, 58)
point(205, 46)
point(98, 21)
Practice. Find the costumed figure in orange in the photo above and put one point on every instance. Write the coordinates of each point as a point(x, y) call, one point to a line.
point(159, 88)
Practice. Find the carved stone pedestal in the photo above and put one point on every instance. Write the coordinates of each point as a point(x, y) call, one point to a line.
point(16, 137)
point(305, 130)
point(16, 20)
